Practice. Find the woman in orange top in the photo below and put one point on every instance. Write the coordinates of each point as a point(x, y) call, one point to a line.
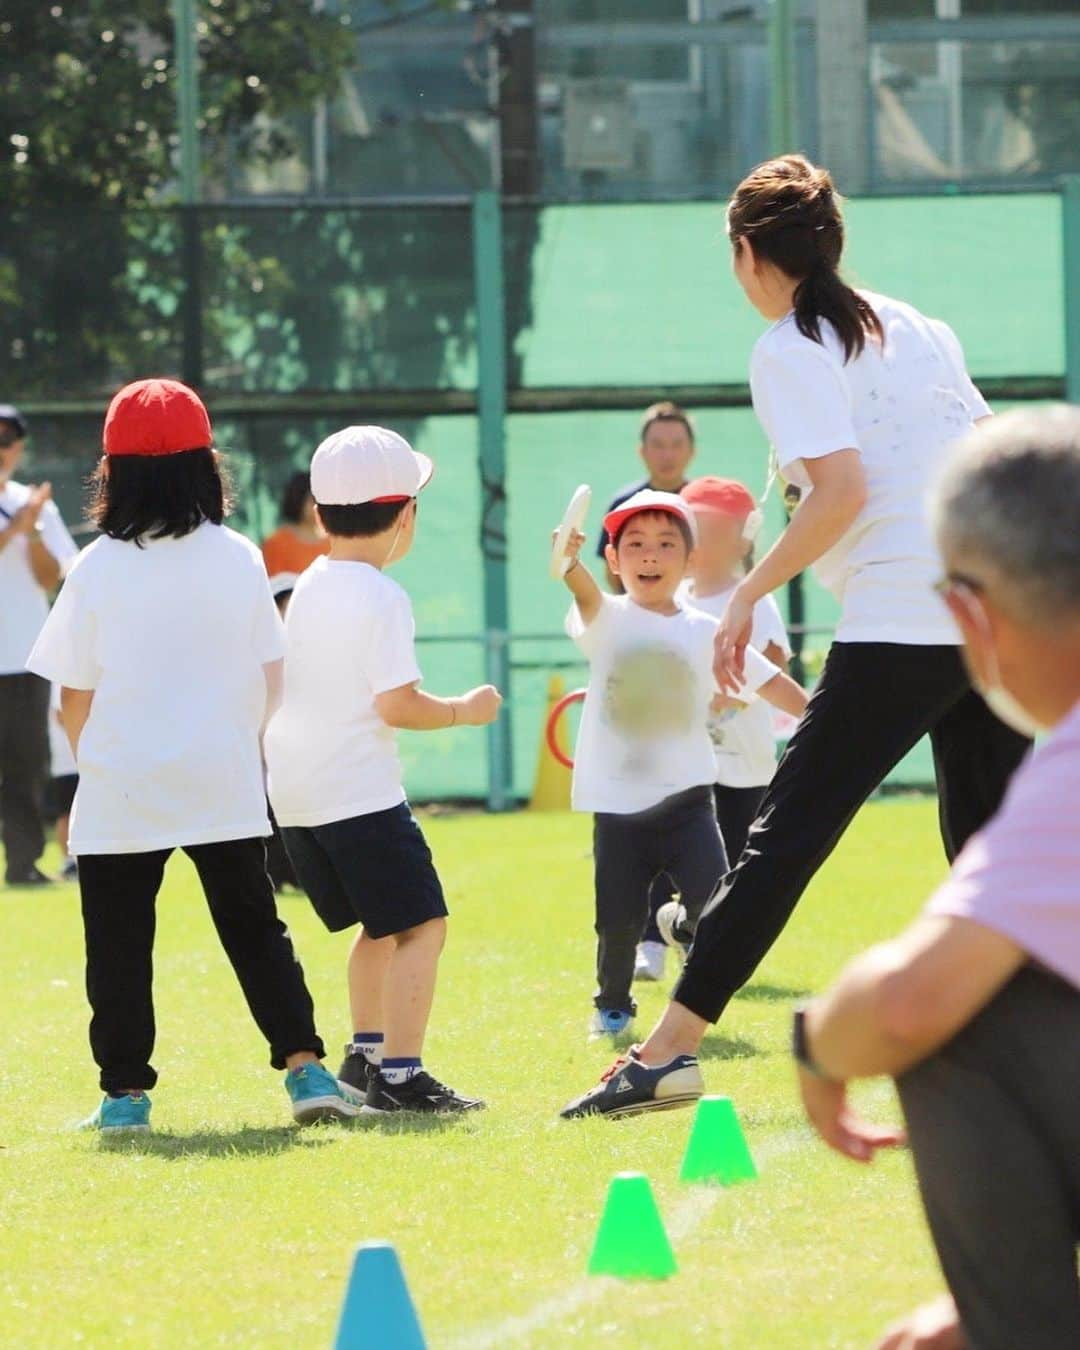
point(298, 541)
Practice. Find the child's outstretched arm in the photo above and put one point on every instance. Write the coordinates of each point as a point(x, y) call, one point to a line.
point(783, 693)
point(579, 580)
point(409, 709)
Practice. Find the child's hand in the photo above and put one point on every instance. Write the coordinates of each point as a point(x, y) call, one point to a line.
point(722, 703)
point(479, 706)
point(573, 545)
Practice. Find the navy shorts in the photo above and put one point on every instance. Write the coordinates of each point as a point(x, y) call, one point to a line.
point(375, 869)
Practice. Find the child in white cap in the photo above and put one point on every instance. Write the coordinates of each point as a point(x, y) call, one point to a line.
point(644, 764)
point(351, 679)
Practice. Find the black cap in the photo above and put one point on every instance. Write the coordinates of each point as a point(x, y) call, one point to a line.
point(9, 413)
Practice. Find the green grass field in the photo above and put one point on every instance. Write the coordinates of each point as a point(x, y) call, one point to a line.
point(228, 1226)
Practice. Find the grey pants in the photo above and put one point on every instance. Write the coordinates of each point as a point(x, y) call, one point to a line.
point(994, 1121)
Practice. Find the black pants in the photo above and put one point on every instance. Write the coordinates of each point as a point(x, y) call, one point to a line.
point(873, 703)
point(679, 841)
point(736, 811)
point(994, 1123)
point(24, 768)
point(119, 894)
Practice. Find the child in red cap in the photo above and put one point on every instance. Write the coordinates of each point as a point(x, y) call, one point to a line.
point(168, 648)
point(644, 763)
point(728, 520)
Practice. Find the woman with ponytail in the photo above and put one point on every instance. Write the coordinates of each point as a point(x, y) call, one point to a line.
point(861, 397)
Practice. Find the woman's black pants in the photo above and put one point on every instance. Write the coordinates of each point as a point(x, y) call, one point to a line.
point(874, 701)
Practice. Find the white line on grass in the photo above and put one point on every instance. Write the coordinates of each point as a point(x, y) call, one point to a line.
point(686, 1218)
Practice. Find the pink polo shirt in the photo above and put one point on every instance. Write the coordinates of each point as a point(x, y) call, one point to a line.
point(1021, 874)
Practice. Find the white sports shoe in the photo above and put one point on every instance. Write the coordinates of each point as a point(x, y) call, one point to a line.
point(649, 962)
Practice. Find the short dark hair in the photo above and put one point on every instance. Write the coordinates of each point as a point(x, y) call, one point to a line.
point(158, 496)
point(666, 412)
point(361, 521)
point(677, 521)
point(295, 493)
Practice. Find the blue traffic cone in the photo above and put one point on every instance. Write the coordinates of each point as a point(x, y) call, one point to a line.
point(378, 1312)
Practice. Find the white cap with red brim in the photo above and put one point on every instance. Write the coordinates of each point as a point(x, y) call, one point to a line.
point(648, 499)
point(367, 464)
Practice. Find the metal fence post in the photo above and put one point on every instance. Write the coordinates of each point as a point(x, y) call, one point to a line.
point(781, 77)
point(187, 108)
point(491, 404)
point(1070, 224)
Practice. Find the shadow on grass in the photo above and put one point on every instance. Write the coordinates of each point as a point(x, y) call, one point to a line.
point(218, 1143)
point(727, 1047)
point(408, 1123)
point(771, 993)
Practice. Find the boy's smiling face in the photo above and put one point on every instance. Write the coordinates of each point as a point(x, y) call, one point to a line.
point(651, 559)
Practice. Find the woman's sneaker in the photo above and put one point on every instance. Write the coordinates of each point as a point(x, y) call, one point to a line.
point(630, 1087)
point(316, 1095)
point(611, 1022)
point(674, 927)
point(421, 1094)
point(356, 1070)
point(129, 1114)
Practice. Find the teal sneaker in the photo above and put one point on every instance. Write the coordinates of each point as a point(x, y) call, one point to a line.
point(120, 1115)
point(317, 1095)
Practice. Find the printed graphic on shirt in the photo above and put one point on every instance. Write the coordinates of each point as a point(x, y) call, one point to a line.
point(650, 693)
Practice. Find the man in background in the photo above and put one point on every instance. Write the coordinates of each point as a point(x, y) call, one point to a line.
point(975, 1008)
point(35, 548)
point(666, 447)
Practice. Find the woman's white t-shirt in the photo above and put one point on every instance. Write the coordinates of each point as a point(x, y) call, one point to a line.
point(644, 732)
point(350, 636)
point(172, 638)
point(901, 405)
point(743, 739)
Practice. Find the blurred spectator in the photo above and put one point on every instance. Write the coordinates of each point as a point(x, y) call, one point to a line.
point(666, 447)
point(975, 1009)
point(35, 549)
point(297, 541)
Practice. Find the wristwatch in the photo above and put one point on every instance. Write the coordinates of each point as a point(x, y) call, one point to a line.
point(800, 1044)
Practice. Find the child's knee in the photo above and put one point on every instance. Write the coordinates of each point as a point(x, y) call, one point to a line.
point(431, 933)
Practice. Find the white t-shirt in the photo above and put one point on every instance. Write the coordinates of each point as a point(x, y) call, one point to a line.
point(350, 636)
point(901, 406)
point(644, 732)
point(743, 739)
point(23, 604)
point(172, 638)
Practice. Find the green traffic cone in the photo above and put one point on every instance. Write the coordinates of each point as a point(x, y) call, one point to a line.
point(631, 1241)
point(717, 1148)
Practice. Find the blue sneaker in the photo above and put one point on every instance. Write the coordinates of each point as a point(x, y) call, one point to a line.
point(120, 1115)
point(317, 1095)
point(609, 1022)
point(630, 1087)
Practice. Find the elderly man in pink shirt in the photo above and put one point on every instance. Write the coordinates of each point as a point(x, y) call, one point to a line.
point(975, 1009)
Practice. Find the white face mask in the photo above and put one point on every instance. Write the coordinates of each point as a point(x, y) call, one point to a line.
point(1005, 706)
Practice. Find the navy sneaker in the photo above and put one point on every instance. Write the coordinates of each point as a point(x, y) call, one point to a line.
point(356, 1069)
point(630, 1088)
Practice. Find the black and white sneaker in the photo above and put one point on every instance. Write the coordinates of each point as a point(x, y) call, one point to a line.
point(31, 876)
point(356, 1070)
point(630, 1087)
point(420, 1094)
point(674, 927)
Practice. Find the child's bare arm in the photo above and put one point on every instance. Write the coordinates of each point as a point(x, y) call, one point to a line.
point(772, 651)
point(783, 693)
point(74, 710)
point(410, 709)
point(579, 580)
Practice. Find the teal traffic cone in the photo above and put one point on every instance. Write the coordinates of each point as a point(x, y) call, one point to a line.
point(378, 1312)
point(631, 1241)
point(717, 1149)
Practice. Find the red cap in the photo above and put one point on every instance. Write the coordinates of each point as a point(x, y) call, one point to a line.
point(156, 417)
point(723, 496)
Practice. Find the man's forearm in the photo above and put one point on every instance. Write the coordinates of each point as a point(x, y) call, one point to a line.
point(44, 566)
point(845, 1029)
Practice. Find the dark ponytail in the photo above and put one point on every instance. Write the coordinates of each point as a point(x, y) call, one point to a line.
point(790, 212)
